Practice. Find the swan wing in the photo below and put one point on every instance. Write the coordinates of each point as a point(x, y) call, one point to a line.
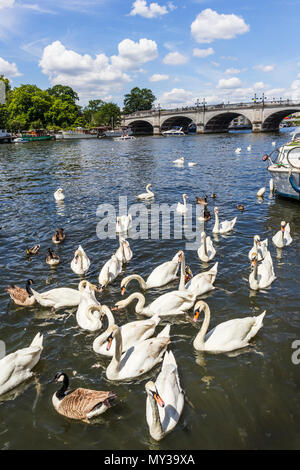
point(163, 274)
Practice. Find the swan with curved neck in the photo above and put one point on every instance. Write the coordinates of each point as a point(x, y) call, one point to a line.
point(160, 276)
point(225, 226)
point(200, 283)
point(262, 274)
point(165, 399)
point(182, 208)
point(259, 247)
point(148, 194)
point(282, 237)
point(80, 263)
point(87, 316)
point(142, 358)
point(123, 253)
point(227, 336)
point(206, 251)
point(111, 269)
point(132, 333)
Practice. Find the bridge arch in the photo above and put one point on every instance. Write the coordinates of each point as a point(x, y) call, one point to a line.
point(271, 123)
point(141, 127)
point(180, 121)
point(220, 122)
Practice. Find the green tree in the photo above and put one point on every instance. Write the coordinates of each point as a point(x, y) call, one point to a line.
point(92, 108)
point(66, 93)
point(3, 116)
point(61, 113)
point(108, 114)
point(138, 100)
point(27, 104)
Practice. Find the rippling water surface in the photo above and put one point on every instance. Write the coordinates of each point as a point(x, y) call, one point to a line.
point(248, 399)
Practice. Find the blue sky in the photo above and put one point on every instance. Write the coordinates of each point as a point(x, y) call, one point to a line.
point(181, 49)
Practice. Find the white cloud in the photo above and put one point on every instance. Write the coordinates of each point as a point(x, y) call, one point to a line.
point(176, 97)
point(209, 25)
point(259, 85)
point(133, 54)
point(298, 76)
point(231, 71)
point(203, 52)
point(229, 83)
point(6, 3)
point(8, 69)
point(175, 58)
point(140, 7)
point(264, 68)
point(157, 77)
point(215, 64)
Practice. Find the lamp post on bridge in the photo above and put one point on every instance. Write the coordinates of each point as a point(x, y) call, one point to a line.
point(254, 99)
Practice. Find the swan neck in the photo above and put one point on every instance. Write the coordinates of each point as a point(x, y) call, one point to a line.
point(201, 335)
point(216, 226)
point(182, 273)
point(204, 244)
point(156, 427)
point(115, 362)
point(138, 278)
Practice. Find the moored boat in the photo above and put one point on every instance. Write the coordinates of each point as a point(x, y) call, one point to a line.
point(175, 131)
point(79, 133)
point(285, 168)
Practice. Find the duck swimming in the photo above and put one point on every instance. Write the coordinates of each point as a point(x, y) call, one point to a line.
point(59, 236)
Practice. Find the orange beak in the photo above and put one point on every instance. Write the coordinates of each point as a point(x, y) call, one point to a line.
point(113, 309)
point(109, 342)
point(196, 315)
point(253, 262)
point(159, 400)
point(123, 290)
point(282, 228)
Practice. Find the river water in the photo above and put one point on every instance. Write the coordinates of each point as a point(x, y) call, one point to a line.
point(249, 399)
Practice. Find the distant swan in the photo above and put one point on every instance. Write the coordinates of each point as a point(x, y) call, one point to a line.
point(225, 226)
point(206, 251)
point(148, 195)
point(283, 237)
point(261, 192)
point(59, 195)
point(80, 263)
point(182, 208)
point(179, 161)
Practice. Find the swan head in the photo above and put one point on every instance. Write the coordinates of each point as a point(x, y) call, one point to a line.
point(111, 332)
point(283, 225)
point(185, 196)
point(178, 257)
point(148, 186)
point(199, 307)
point(87, 285)
point(60, 190)
point(216, 210)
point(152, 391)
point(257, 239)
point(253, 260)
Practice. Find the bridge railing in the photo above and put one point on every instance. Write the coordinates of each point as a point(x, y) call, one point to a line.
point(212, 107)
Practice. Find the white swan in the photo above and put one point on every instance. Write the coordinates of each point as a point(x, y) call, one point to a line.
point(179, 161)
point(139, 359)
point(87, 315)
point(16, 367)
point(182, 208)
point(61, 297)
point(261, 192)
point(132, 332)
point(80, 263)
point(124, 223)
point(111, 269)
point(176, 302)
point(237, 150)
point(59, 195)
point(225, 226)
point(206, 251)
point(160, 276)
point(249, 148)
point(263, 274)
point(168, 394)
point(271, 185)
point(273, 143)
point(124, 253)
point(227, 336)
point(148, 195)
point(261, 248)
point(192, 164)
point(283, 236)
point(200, 283)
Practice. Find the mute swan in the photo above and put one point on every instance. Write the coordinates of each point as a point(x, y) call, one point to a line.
point(172, 303)
point(59, 236)
point(16, 367)
point(271, 185)
point(124, 223)
point(61, 297)
point(139, 359)
point(263, 272)
point(80, 403)
point(20, 296)
point(109, 272)
point(85, 316)
point(200, 283)
point(160, 276)
point(59, 195)
point(261, 248)
point(227, 336)
point(249, 148)
point(124, 253)
point(148, 195)
point(80, 263)
point(179, 161)
point(52, 259)
point(273, 143)
point(283, 237)
point(192, 164)
point(182, 208)
point(168, 394)
point(206, 251)
point(132, 332)
point(237, 150)
point(35, 250)
point(225, 226)
point(261, 192)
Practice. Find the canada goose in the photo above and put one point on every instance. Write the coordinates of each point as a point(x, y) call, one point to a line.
point(201, 200)
point(52, 259)
point(59, 195)
point(240, 207)
point(80, 403)
point(59, 236)
point(35, 250)
point(21, 296)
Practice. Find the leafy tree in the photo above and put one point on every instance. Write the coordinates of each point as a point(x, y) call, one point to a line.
point(109, 113)
point(3, 116)
point(138, 100)
point(27, 104)
point(61, 113)
point(66, 93)
point(92, 108)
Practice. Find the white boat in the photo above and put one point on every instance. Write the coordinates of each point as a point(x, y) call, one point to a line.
point(20, 140)
point(124, 137)
point(285, 168)
point(175, 131)
point(79, 133)
point(117, 132)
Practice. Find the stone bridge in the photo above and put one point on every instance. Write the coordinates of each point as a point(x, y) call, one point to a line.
point(263, 116)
